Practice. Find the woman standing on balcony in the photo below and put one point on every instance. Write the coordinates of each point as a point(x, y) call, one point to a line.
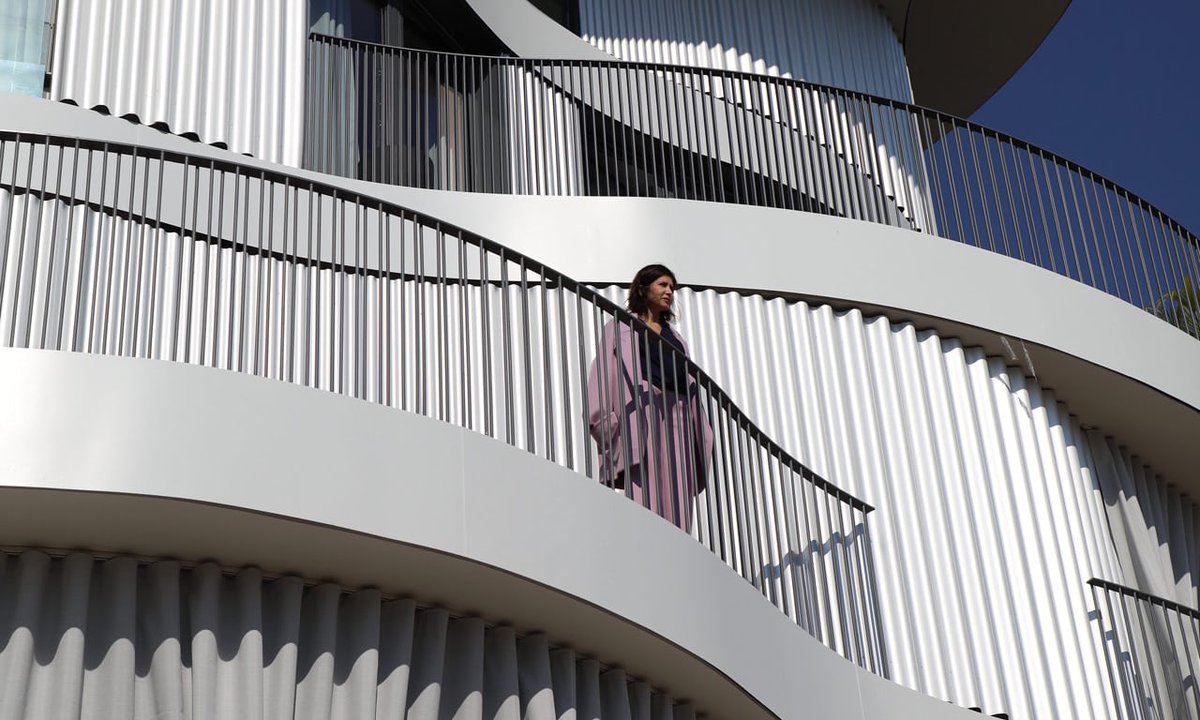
point(643, 405)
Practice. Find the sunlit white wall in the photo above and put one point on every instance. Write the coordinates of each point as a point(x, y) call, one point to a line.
point(846, 43)
point(843, 43)
point(228, 73)
point(995, 504)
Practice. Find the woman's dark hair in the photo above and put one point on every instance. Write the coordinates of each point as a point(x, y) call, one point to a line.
point(637, 303)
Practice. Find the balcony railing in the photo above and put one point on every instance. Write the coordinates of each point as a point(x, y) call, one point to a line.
point(554, 127)
point(121, 250)
point(1152, 649)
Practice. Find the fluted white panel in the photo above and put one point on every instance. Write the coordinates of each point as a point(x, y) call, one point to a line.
point(229, 73)
point(843, 43)
point(545, 144)
point(72, 278)
point(1156, 529)
point(994, 504)
point(84, 637)
point(846, 43)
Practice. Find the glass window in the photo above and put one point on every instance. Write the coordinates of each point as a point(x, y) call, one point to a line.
point(25, 45)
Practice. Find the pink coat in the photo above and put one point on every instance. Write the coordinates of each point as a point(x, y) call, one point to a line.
point(662, 440)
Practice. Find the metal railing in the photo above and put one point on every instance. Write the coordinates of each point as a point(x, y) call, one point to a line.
point(120, 250)
point(1152, 651)
point(573, 127)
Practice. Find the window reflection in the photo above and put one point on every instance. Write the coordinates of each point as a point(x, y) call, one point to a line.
point(25, 32)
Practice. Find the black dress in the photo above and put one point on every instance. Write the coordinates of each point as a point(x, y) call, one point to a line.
point(666, 370)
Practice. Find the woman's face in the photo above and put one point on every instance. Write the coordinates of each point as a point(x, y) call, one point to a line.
point(660, 294)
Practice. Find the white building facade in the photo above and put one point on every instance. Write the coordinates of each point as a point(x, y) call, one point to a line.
point(299, 304)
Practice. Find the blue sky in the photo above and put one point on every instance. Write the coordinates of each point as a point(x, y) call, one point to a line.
point(1115, 87)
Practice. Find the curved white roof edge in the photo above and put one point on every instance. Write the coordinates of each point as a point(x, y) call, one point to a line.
point(958, 53)
point(208, 462)
point(776, 251)
point(529, 32)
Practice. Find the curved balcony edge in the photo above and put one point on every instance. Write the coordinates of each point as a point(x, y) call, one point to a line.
point(616, 235)
point(1131, 373)
point(441, 335)
point(302, 481)
point(736, 137)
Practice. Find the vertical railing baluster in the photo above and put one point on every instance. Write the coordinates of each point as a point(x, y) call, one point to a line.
point(260, 349)
point(360, 275)
point(581, 355)
point(568, 435)
point(216, 243)
point(291, 282)
point(1095, 232)
point(182, 263)
point(629, 123)
point(825, 597)
point(1147, 636)
point(716, 177)
point(1018, 202)
point(11, 191)
point(466, 391)
point(527, 358)
point(506, 345)
point(71, 202)
point(1172, 266)
point(240, 212)
point(485, 343)
point(56, 200)
point(548, 413)
point(878, 634)
point(1105, 645)
point(1157, 284)
point(421, 349)
point(442, 326)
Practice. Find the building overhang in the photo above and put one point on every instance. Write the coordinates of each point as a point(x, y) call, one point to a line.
point(152, 459)
point(960, 53)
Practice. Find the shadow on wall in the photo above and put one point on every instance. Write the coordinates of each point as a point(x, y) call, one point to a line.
point(1150, 522)
point(157, 638)
point(794, 582)
point(1153, 524)
point(849, 44)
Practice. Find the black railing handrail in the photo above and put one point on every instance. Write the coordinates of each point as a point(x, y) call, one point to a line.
point(1144, 596)
point(744, 75)
point(299, 181)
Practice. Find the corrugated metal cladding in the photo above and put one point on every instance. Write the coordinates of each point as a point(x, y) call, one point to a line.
point(159, 640)
point(846, 43)
point(994, 505)
point(229, 73)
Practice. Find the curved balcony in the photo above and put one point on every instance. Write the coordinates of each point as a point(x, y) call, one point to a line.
point(114, 249)
point(582, 127)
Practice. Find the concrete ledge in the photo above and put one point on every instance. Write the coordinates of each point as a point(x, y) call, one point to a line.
point(160, 459)
point(1116, 366)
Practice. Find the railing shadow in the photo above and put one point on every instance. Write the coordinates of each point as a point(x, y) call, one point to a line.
point(114, 249)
